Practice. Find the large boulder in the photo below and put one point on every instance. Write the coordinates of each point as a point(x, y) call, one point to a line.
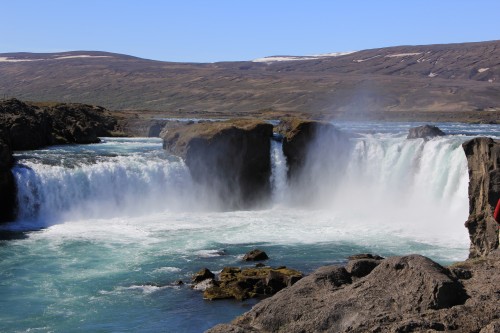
point(401, 294)
point(7, 183)
point(483, 158)
point(230, 159)
point(424, 132)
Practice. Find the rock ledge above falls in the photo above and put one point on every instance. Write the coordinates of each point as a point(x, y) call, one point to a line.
point(231, 159)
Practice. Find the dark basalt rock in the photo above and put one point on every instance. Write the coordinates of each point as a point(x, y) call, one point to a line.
point(26, 126)
point(243, 283)
point(7, 183)
point(255, 255)
point(483, 158)
point(79, 123)
point(231, 159)
point(424, 132)
point(298, 136)
point(30, 127)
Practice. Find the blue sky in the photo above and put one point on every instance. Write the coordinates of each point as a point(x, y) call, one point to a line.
point(207, 31)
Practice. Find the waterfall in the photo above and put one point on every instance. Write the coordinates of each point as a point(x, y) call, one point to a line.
point(415, 185)
point(128, 185)
point(375, 179)
point(279, 171)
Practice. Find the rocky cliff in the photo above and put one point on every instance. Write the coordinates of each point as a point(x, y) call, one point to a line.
point(25, 126)
point(401, 294)
point(7, 184)
point(304, 140)
point(231, 159)
point(483, 158)
point(30, 127)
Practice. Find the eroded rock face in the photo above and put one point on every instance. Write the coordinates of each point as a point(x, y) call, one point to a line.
point(27, 127)
point(7, 183)
point(230, 159)
point(79, 123)
point(483, 158)
point(298, 137)
point(424, 132)
point(401, 294)
point(31, 127)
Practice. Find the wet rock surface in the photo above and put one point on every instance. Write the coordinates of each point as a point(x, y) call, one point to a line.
point(230, 158)
point(424, 132)
point(483, 158)
point(298, 136)
point(255, 255)
point(243, 283)
point(401, 294)
point(7, 183)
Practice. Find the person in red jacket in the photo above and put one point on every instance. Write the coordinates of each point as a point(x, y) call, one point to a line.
point(496, 215)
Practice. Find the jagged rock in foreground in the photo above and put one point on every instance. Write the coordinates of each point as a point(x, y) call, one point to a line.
point(300, 135)
point(30, 127)
point(424, 132)
point(7, 183)
point(401, 294)
point(483, 158)
point(231, 159)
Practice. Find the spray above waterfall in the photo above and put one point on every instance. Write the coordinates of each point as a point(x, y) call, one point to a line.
point(374, 179)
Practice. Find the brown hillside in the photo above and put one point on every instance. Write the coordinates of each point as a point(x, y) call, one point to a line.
point(438, 78)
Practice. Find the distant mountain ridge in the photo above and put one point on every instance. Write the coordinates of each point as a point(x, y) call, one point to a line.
point(448, 77)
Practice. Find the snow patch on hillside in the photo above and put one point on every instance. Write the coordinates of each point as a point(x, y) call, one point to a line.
point(6, 59)
point(402, 55)
point(81, 56)
point(295, 58)
point(63, 57)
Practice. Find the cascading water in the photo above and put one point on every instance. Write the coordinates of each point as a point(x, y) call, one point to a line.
point(79, 182)
point(279, 171)
point(122, 220)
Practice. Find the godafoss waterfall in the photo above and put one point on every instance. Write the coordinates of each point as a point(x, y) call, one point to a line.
point(105, 230)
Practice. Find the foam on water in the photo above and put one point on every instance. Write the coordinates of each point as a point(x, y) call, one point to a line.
point(121, 221)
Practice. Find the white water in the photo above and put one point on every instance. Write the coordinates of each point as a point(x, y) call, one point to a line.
point(121, 220)
point(415, 188)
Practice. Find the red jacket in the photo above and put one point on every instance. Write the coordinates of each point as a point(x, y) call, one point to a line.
point(496, 215)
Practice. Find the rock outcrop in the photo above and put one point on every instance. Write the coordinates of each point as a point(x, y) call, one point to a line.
point(30, 127)
point(401, 294)
point(7, 183)
point(243, 283)
point(231, 159)
point(79, 123)
point(483, 158)
point(26, 126)
point(424, 132)
point(299, 135)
